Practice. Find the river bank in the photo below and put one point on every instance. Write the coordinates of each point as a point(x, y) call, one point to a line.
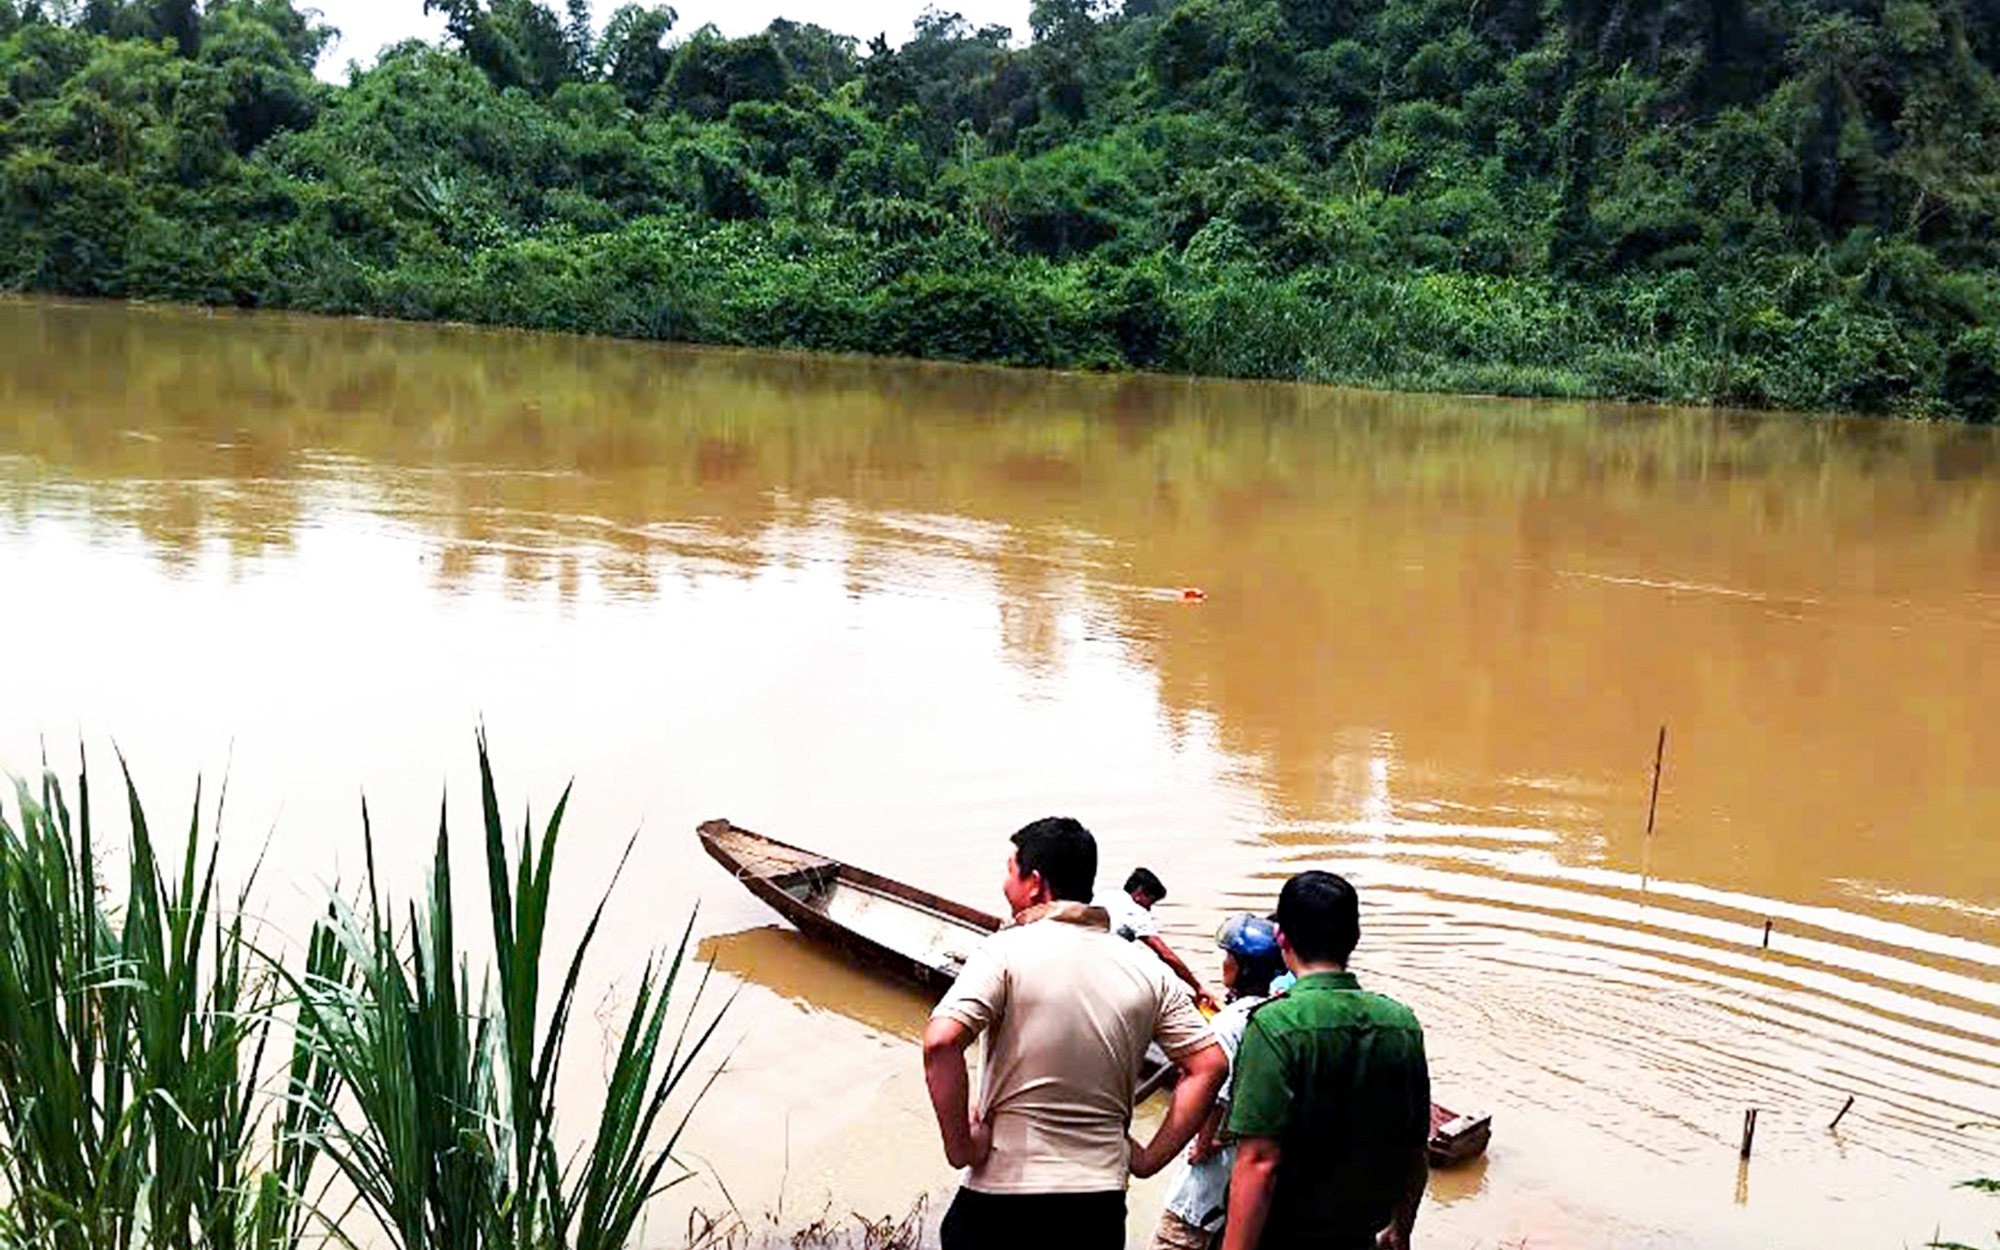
point(824, 288)
point(1405, 196)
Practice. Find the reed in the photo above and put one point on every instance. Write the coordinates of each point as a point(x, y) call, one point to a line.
point(732, 1230)
point(440, 1114)
point(131, 1037)
point(1985, 1185)
point(137, 1110)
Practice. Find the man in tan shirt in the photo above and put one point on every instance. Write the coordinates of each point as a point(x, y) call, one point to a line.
point(1067, 1011)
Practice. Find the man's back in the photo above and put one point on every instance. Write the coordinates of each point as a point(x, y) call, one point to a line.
point(1067, 1011)
point(1337, 1077)
point(1128, 919)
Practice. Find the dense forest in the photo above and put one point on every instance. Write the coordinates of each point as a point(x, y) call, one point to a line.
point(1761, 202)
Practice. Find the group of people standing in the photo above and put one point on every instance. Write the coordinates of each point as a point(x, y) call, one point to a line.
point(1299, 1118)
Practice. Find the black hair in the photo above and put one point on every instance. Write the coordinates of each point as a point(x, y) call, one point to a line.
point(1143, 879)
point(1254, 976)
point(1320, 917)
point(1062, 850)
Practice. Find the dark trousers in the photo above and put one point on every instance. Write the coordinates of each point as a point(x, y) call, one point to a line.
point(979, 1221)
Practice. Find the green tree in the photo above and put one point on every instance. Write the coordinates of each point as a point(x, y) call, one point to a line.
point(519, 43)
point(634, 51)
point(303, 36)
point(710, 73)
point(817, 57)
point(267, 90)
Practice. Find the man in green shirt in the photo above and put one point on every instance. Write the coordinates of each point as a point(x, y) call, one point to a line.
point(1331, 1096)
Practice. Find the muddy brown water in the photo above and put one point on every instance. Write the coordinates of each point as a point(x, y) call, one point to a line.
point(893, 610)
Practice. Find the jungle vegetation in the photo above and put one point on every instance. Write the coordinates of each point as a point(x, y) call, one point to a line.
point(1785, 203)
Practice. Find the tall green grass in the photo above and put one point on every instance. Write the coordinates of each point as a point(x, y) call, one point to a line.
point(141, 1105)
point(131, 1035)
point(442, 1118)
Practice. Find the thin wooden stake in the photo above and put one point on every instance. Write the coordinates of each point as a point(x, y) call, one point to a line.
point(1767, 933)
point(1749, 1131)
point(1659, 756)
point(1843, 1111)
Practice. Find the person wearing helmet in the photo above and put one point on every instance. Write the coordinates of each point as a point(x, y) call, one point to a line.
point(1192, 1217)
point(1330, 1102)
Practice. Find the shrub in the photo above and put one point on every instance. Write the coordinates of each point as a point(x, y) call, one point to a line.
point(1972, 374)
point(950, 317)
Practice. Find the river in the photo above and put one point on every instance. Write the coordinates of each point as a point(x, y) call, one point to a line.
point(892, 611)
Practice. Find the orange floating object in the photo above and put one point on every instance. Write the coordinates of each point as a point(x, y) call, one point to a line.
point(1193, 594)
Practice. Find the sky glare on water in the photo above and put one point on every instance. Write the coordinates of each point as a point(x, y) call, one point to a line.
point(368, 26)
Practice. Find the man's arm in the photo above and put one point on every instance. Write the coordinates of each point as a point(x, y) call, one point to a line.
point(1201, 995)
point(1251, 1185)
point(1416, 1175)
point(1202, 1071)
point(966, 1144)
point(1416, 1171)
point(1205, 1144)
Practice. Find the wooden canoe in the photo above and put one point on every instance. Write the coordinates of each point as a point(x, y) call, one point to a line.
point(922, 937)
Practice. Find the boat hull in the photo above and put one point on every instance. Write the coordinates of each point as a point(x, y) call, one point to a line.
point(821, 896)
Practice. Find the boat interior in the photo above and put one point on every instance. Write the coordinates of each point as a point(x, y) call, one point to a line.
point(888, 920)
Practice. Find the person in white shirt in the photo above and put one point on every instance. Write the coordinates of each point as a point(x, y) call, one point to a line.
point(1132, 919)
point(1199, 1191)
point(1067, 1011)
